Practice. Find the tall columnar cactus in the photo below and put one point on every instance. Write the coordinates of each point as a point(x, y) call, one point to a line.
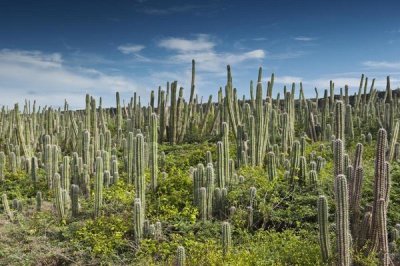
point(217, 198)
point(209, 159)
point(38, 201)
point(226, 237)
point(210, 189)
point(138, 219)
point(75, 200)
point(393, 141)
point(338, 154)
point(2, 165)
point(342, 220)
point(34, 167)
point(302, 171)
point(154, 150)
point(180, 256)
point(98, 187)
point(130, 157)
point(203, 204)
point(271, 166)
point(6, 207)
point(220, 165)
point(58, 197)
point(381, 184)
point(140, 182)
point(294, 160)
point(252, 129)
point(339, 121)
point(355, 199)
point(349, 129)
point(252, 197)
point(86, 148)
point(65, 174)
point(119, 111)
point(324, 240)
point(383, 247)
point(225, 141)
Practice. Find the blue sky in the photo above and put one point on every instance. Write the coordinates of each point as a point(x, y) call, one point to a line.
point(52, 50)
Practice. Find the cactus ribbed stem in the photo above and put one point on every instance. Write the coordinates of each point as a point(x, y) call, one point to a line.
point(154, 150)
point(140, 182)
point(342, 220)
point(59, 202)
point(75, 200)
point(180, 256)
point(98, 187)
point(323, 228)
point(226, 238)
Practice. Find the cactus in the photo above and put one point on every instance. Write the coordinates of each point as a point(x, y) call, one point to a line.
point(302, 171)
point(252, 196)
point(225, 142)
point(2, 165)
point(140, 182)
point(180, 256)
point(383, 247)
point(342, 220)
point(154, 150)
point(58, 197)
point(98, 187)
point(339, 125)
point(338, 152)
point(271, 166)
point(221, 165)
point(38, 201)
point(226, 238)
point(138, 218)
point(75, 200)
point(203, 204)
point(294, 161)
point(6, 207)
point(381, 184)
point(34, 167)
point(323, 228)
point(210, 189)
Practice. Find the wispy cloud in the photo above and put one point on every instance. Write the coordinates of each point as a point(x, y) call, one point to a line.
point(202, 49)
point(304, 38)
point(382, 64)
point(50, 80)
point(170, 10)
point(285, 55)
point(130, 48)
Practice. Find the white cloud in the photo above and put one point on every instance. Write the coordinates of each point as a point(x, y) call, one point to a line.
point(382, 64)
point(44, 77)
point(202, 43)
point(130, 48)
point(304, 38)
point(202, 49)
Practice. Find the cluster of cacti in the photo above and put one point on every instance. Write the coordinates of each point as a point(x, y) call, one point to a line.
point(81, 154)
